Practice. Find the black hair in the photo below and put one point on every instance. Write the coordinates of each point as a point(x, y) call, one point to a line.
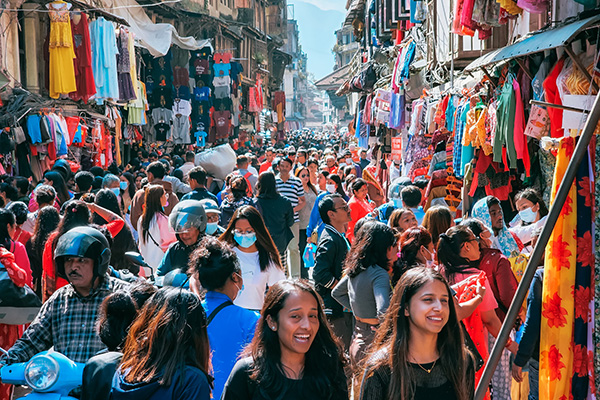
point(118, 311)
point(123, 241)
point(23, 185)
point(177, 173)
point(533, 196)
point(475, 225)
point(370, 248)
point(327, 204)
point(213, 262)
point(131, 187)
point(11, 192)
point(357, 184)
point(59, 185)
point(20, 211)
point(448, 250)
point(6, 218)
point(157, 169)
point(198, 174)
point(84, 180)
point(97, 171)
point(411, 196)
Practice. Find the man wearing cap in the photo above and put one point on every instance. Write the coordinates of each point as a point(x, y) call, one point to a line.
point(197, 180)
point(212, 218)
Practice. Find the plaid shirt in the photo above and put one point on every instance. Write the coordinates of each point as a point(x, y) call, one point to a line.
point(66, 321)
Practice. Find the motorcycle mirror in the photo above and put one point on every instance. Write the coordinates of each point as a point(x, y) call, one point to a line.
point(135, 258)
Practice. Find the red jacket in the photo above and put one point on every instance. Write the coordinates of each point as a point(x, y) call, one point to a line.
point(501, 277)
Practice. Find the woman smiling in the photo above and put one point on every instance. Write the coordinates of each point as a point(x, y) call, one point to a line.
point(294, 354)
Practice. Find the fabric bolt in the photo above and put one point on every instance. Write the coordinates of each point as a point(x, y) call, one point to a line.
point(84, 76)
point(596, 288)
point(62, 68)
point(565, 305)
point(104, 59)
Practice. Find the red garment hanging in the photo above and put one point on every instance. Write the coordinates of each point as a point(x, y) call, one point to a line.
point(84, 77)
point(552, 96)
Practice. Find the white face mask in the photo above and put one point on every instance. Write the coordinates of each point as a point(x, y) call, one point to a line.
point(431, 262)
point(330, 188)
point(349, 161)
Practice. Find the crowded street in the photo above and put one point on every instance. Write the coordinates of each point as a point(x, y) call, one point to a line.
point(299, 199)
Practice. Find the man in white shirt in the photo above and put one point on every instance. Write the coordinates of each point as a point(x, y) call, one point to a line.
point(188, 165)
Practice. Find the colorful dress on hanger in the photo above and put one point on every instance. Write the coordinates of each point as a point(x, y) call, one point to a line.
point(62, 70)
point(104, 59)
point(86, 86)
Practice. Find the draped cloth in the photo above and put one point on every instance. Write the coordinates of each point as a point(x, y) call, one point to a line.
point(565, 362)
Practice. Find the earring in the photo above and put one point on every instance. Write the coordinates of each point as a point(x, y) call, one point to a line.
point(272, 328)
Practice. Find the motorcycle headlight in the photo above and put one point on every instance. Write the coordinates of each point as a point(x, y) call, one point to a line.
point(41, 373)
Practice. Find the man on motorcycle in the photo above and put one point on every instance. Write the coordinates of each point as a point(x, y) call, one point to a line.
point(188, 220)
point(67, 320)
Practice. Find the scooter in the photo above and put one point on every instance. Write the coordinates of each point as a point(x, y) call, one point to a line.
point(175, 278)
point(136, 259)
point(50, 375)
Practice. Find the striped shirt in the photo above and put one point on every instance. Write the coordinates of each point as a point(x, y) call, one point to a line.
point(292, 190)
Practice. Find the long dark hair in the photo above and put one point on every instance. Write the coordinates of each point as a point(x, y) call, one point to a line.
point(370, 247)
point(131, 187)
point(123, 241)
point(448, 250)
point(266, 187)
point(6, 218)
point(267, 251)
point(169, 334)
point(152, 206)
point(533, 196)
point(338, 183)
point(410, 243)
point(58, 183)
point(390, 347)
point(75, 213)
point(309, 184)
point(47, 221)
point(323, 360)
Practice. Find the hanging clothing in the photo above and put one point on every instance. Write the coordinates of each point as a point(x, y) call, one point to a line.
point(84, 76)
point(504, 142)
point(552, 96)
point(60, 44)
point(126, 89)
point(104, 59)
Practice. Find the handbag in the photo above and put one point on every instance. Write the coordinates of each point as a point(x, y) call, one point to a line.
point(18, 305)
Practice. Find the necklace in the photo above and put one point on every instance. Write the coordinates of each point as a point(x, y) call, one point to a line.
point(427, 370)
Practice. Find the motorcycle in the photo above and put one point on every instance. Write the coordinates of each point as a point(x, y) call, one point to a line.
point(136, 259)
point(175, 278)
point(50, 375)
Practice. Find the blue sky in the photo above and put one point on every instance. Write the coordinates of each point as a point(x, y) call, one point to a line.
point(317, 22)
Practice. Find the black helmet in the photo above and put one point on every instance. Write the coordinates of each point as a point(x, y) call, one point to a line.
point(83, 241)
point(188, 214)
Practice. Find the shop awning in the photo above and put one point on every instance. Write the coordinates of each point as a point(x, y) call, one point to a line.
point(535, 43)
point(355, 9)
point(157, 38)
point(334, 79)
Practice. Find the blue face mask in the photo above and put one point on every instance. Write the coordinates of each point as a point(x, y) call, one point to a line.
point(527, 215)
point(211, 227)
point(116, 191)
point(123, 185)
point(245, 240)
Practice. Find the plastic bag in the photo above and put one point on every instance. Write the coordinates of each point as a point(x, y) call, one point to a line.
point(218, 161)
point(309, 255)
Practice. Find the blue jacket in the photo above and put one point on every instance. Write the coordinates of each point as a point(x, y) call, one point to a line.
point(228, 333)
point(192, 386)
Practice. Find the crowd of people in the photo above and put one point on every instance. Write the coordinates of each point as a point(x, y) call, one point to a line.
point(294, 278)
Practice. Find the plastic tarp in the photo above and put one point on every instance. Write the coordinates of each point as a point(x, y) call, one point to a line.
point(157, 38)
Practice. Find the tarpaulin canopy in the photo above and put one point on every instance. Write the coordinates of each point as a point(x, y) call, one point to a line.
point(535, 43)
point(157, 38)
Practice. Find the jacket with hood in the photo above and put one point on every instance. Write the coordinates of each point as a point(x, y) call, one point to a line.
point(192, 385)
point(137, 204)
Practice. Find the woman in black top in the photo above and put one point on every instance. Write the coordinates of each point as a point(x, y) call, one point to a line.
point(294, 354)
point(418, 352)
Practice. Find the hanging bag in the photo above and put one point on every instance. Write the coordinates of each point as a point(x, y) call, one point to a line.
point(18, 304)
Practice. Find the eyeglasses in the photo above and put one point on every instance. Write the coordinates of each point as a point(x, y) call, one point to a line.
point(345, 208)
point(471, 240)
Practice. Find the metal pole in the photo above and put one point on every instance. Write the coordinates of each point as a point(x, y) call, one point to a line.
point(540, 246)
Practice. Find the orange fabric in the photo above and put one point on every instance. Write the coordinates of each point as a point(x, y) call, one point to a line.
point(358, 210)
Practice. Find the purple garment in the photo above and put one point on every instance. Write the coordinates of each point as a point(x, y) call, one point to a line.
point(126, 90)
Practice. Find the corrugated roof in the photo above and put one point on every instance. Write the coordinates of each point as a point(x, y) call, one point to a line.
point(535, 43)
point(356, 7)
